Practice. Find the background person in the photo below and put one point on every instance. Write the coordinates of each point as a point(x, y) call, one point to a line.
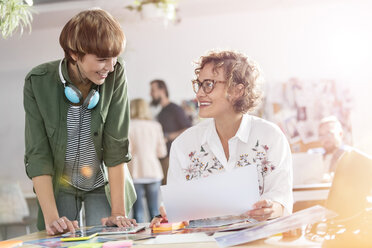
point(77, 117)
point(147, 145)
point(226, 89)
point(171, 117)
point(330, 133)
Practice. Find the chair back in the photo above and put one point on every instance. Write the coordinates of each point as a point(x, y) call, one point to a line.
point(351, 185)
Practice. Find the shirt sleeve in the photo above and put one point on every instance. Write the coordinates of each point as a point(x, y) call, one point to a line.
point(279, 182)
point(115, 134)
point(38, 156)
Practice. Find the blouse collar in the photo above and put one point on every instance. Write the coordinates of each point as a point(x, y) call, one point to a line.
point(242, 134)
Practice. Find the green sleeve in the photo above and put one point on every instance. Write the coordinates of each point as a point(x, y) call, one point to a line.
point(115, 134)
point(38, 156)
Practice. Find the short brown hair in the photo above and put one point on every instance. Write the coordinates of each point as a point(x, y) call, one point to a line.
point(92, 31)
point(238, 69)
point(139, 109)
point(161, 85)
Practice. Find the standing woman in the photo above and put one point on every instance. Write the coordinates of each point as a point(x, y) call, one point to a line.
point(147, 145)
point(77, 117)
point(226, 89)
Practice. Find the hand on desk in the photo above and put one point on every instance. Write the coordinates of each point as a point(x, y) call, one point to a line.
point(61, 225)
point(265, 209)
point(118, 220)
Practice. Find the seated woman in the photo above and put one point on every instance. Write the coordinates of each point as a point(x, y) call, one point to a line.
point(226, 89)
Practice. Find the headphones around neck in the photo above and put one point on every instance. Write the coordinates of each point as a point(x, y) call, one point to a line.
point(74, 95)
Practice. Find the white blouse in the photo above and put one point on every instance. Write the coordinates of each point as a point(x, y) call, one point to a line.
point(198, 152)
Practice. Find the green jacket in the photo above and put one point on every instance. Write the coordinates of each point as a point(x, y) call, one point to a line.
point(46, 127)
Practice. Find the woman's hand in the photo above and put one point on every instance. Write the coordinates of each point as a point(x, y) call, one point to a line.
point(162, 218)
point(265, 209)
point(61, 225)
point(118, 220)
point(159, 219)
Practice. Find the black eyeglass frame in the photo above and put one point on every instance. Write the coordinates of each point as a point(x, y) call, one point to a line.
point(203, 85)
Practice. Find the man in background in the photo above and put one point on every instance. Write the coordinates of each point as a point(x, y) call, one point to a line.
point(332, 146)
point(171, 117)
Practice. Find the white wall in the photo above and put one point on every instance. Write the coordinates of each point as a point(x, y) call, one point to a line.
point(317, 39)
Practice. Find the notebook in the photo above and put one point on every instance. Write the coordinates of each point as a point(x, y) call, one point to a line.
point(104, 230)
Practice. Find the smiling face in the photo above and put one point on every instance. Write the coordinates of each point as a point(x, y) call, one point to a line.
point(93, 68)
point(216, 104)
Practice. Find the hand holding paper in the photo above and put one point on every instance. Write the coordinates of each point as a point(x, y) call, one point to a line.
point(265, 209)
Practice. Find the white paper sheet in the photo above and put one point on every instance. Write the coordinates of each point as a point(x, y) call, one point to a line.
point(181, 238)
point(227, 193)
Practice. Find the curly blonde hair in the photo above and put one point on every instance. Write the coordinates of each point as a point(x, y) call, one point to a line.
point(238, 69)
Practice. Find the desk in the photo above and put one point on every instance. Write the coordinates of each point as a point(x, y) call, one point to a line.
point(140, 244)
point(309, 192)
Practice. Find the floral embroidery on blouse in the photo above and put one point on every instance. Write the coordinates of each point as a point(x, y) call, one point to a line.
point(197, 168)
point(264, 166)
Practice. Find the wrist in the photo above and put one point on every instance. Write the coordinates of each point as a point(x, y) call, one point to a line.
point(50, 218)
point(119, 214)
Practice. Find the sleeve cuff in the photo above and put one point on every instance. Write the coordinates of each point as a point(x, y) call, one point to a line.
point(34, 171)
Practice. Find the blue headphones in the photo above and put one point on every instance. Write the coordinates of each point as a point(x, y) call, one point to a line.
point(74, 95)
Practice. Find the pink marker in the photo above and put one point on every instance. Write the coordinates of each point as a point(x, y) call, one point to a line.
point(118, 244)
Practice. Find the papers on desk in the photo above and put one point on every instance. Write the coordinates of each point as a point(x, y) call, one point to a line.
point(279, 225)
point(228, 193)
point(183, 238)
point(106, 230)
point(218, 221)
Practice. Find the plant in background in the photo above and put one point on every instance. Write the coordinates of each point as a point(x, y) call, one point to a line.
point(165, 8)
point(14, 14)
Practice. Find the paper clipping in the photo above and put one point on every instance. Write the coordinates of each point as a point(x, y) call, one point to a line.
point(228, 193)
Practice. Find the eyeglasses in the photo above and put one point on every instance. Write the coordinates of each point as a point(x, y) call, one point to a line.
point(207, 85)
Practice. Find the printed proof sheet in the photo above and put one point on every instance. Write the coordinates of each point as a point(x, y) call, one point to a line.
point(227, 193)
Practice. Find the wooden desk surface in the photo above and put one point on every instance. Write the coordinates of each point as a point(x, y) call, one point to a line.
point(140, 244)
